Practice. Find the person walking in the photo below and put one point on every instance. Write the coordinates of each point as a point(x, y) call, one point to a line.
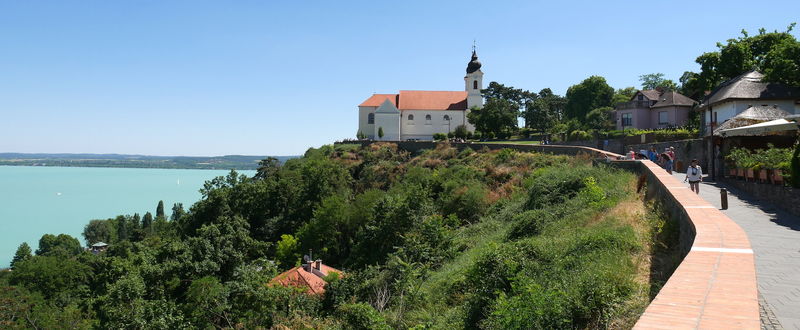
point(653, 155)
point(667, 159)
point(694, 174)
point(672, 156)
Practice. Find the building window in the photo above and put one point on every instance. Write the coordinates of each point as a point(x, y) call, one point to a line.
point(641, 97)
point(371, 118)
point(427, 119)
point(663, 118)
point(446, 118)
point(474, 84)
point(410, 117)
point(627, 119)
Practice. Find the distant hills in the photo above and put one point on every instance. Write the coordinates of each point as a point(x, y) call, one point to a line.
point(237, 162)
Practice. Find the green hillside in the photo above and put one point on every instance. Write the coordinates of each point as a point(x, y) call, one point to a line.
point(442, 239)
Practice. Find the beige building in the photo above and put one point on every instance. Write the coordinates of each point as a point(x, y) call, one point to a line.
point(412, 114)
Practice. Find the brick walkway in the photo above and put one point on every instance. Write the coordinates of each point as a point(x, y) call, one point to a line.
point(775, 238)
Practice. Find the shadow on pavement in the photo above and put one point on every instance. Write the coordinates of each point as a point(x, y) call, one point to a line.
point(777, 215)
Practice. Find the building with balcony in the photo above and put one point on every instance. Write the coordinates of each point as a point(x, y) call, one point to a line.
point(736, 95)
point(650, 109)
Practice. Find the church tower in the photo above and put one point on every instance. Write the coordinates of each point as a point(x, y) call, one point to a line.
point(473, 82)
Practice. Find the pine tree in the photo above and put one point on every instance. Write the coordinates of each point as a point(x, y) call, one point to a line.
point(136, 222)
point(23, 253)
point(122, 228)
point(160, 210)
point(177, 211)
point(147, 220)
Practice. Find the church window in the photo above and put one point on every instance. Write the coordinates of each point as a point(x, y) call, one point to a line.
point(410, 117)
point(474, 84)
point(427, 119)
point(446, 118)
point(371, 118)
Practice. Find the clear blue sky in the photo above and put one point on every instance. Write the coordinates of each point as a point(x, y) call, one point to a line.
point(276, 77)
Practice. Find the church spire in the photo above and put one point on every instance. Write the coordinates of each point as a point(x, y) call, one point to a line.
point(474, 64)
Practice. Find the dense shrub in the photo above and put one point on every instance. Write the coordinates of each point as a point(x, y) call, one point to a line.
point(555, 185)
point(361, 316)
point(579, 135)
point(439, 136)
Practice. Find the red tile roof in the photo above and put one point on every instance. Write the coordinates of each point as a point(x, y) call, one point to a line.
point(299, 277)
point(421, 100)
point(377, 99)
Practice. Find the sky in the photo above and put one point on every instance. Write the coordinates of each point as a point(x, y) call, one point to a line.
point(245, 77)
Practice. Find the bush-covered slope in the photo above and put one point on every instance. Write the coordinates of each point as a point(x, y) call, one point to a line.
point(442, 239)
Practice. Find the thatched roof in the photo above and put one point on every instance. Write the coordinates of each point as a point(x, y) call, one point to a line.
point(748, 86)
point(753, 115)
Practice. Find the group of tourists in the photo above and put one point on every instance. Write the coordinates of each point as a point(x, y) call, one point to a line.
point(666, 159)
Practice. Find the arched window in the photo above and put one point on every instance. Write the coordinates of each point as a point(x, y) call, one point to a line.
point(428, 117)
point(446, 118)
point(474, 84)
point(410, 117)
point(371, 118)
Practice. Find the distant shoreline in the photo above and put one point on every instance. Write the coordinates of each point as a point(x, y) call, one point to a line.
point(229, 162)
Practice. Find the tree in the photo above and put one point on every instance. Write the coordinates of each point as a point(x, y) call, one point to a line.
point(600, 119)
point(208, 299)
point(147, 220)
point(23, 253)
point(62, 245)
point(657, 80)
point(515, 99)
point(545, 111)
point(380, 132)
point(623, 95)
point(591, 93)
point(782, 63)
point(51, 275)
point(267, 167)
point(461, 132)
point(123, 230)
point(98, 231)
point(498, 117)
point(160, 210)
point(775, 54)
point(177, 211)
point(287, 252)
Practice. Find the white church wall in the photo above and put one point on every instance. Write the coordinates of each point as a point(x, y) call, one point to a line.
point(420, 128)
point(363, 121)
point(390, 122)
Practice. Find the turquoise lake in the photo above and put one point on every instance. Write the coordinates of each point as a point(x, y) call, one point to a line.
point(37, 200)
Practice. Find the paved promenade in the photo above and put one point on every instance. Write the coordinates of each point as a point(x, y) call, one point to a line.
point(775, 239)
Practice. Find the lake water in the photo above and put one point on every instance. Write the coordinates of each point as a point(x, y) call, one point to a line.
point(52, 200)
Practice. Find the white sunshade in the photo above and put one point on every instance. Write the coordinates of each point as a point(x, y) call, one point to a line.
point(777, 125)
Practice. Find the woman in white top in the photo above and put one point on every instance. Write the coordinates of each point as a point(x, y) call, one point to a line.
point(694, 174)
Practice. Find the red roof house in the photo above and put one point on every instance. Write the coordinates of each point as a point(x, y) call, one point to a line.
point(308, 276)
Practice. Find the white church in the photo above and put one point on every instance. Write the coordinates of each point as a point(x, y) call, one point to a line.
point(420, 114)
